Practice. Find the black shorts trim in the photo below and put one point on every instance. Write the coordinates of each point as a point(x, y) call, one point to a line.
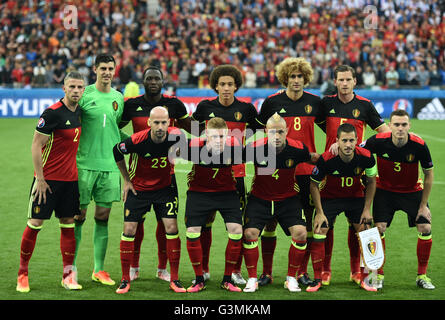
point(386, 203)
point(64, 201)
point(200, 205)
point(288, 213)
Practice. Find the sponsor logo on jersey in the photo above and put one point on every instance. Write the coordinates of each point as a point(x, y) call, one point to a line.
point(212, 115)
point(67, 123)
point(41, 123)
point(282, 110)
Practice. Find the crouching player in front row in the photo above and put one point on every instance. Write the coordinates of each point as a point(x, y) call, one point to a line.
point(339, 178)
point(273, 195)
point(399, 188)
point(149, 183)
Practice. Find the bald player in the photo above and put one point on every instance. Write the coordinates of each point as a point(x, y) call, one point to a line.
point(273, 195)
point(149, 183)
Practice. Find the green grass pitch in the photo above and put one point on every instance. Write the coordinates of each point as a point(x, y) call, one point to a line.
point(45, 268)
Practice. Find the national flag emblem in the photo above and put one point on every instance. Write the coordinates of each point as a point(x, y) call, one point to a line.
point(372, 247)
point(41, 123)
point(356, 113)
point(115, 105)
point(410, 157)
point(289, 163)
point(308, 108)
point(238, 115)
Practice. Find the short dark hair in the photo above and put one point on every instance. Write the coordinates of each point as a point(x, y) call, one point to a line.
point(343, 68)
point(347, 128)
point(399, 113)
point(152, 68)
point(226, 70)
point(104, 58)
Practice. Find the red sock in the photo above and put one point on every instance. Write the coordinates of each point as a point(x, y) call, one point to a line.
point(138, 237)
point(26, 248)
point(251, 256)
point(307, 255)
point(162, 245)
point(127, 253)
point(328, 247)
point(174, 254)
point(423, 253)
point(239, 262)
point(67, 247)
point(195, 253)
point(354, 250)
point(268, 245)
point(317, 253)
point(296, 255)
point(206, 243)
point(233, 250)
point(380, 271)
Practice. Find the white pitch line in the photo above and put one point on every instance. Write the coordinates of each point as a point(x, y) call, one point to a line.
point(432, 137)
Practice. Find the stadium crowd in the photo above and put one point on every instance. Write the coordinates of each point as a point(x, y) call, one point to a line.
point(404, 46)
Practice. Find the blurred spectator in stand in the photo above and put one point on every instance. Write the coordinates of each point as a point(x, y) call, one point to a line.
point(184, 76)
point(402, 70)
point(435, 77)
point(424, 76)
point(369, 79)
point(412, 76)
point(250, 78)
point(392, 78)
point(17, 75)
point(59, 72)
point(39, 76)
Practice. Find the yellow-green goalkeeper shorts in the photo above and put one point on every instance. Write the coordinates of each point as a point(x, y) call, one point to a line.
point(104, 187)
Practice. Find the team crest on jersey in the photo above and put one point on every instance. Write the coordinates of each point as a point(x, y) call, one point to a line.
point(289, 163)
point(356, 113)
point(41, 123)
point(36, 209)
point(410, 157)
point(358, 171)
point(122, 147)
point(127, 212)
point(372, 246)
point(238, 115)
point(308, 108)
point(115, 105)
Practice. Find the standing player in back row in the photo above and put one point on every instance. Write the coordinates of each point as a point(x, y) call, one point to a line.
point(238, 115)
point(137, 110)
point(347, 107)
point(301, 110)
point(399, 187)
point(54, 188)
point(99, 178)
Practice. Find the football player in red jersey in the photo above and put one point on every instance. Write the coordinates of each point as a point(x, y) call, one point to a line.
point(149, 181)
point(301, 110)
point(212, 187)
point(137, 110)
point(274, 196)
point(225, 80)
point(347, 107)
point(339, 178)
point(399, 187)
point(55, 186)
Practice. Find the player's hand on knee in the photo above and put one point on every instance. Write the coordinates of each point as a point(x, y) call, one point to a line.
point(40, 191)
point(128, 186)
point(425, 212)
point(320, 221)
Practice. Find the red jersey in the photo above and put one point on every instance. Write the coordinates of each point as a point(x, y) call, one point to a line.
point(150, 166)
point(359, 112)
point(59, 153)
point(238, 116)
point(210, 172)
point(399, 167)
point(343, 180)
point(277, 182)
point(300, 116)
